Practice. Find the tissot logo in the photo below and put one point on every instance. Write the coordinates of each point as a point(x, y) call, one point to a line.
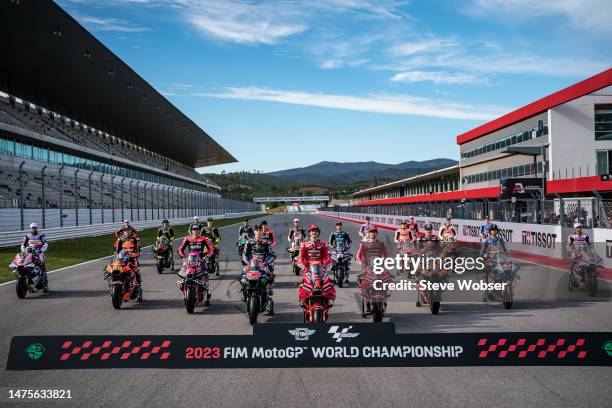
point(302, 333)
point(340, 334)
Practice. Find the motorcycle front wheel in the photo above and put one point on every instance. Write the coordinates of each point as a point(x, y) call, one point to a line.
point(508, 296)
point(340, 275)
point(253, 308)
point(160, 265)
point(117, 296)
point(435, 307)
point(377, 312)
point(190, 299)
point(591, 284)
point(317, 316)
point(22, 287)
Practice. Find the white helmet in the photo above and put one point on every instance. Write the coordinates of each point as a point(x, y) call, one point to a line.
point(296, 220)
point(577, 225)
point(126, 221)
point(33, 225)
point(195, 217)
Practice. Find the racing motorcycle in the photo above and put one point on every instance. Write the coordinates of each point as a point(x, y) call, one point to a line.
point(194, 281)
point(405, 247)
point(212, 262)
point(431, 297)
point(341, 259)
point(294, 252)
point(503, 271)
point(122, 281)
point(241, 244)
point(449, 246)
point(255, 283)
point(28, 273)
point(316, 294)
point(585, 265)
point(163, 254)
point(373, 301)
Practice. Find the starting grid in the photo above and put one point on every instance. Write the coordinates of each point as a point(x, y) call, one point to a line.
point(328, 345)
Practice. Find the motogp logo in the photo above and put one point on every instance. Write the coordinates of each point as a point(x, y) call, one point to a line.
point(342, 334)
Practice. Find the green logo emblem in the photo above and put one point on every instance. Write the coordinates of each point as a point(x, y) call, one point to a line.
point(607, 347)
point(36, 351)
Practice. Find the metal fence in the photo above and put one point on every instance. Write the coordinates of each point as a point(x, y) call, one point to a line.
point(589, 211)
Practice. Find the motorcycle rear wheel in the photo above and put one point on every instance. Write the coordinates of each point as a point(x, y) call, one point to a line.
point(296, 270)
point(22, 288)
point(117, 296)
point(435, 307)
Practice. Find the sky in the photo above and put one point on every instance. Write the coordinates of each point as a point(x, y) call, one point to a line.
point(284, 84)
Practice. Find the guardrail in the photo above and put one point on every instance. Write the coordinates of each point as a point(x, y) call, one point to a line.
point(12, 238)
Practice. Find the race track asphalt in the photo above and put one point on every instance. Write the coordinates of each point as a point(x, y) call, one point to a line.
point(80, 304)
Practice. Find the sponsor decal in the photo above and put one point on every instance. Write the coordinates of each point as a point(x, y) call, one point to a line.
point(340, 334)
point(302, 333)
point(539, 239)
point(608, 248)
point(607, 347)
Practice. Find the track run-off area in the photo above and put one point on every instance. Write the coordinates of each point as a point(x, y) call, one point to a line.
point(79, 304)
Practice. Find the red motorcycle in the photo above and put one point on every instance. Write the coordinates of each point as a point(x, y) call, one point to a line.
point(374, 301)
point(316, 294)
point(194, 281)
point(121, 274)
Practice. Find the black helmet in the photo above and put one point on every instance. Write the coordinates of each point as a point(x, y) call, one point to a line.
point(494, 227)
point(209, 219)
point(428, 227)
point(256, 227)
point(165, 221)
point(264, 222)
point(196, 227)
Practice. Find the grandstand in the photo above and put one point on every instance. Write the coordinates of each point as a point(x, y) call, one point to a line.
point(85, 140)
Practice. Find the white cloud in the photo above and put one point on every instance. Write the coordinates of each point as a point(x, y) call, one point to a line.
point(375, 103)
point(109, 24)
point(437, 77)
point(422, 46)
point(589, 15)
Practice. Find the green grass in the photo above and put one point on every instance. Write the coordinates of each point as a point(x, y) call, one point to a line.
point(73, 251)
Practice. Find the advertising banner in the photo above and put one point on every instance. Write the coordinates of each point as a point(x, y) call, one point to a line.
point(285, 345)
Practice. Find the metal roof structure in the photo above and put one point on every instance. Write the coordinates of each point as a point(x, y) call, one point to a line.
point(48, 58)
point(582, 88)
point(425, 176)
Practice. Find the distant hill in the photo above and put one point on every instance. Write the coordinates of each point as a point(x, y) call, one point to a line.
point(335, 174)
point(324, 178)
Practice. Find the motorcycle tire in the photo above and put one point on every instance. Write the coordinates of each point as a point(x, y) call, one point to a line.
point(435, 307)
point(117, 296)
point(340, 275)
point(160, 266)
point(317, 316)
point(508, 296)
point(591, 284)
point(377, 312)
point(296, 270)
point(190, 299)
point(253, 307)
point(22, 288)
point(270, 307)
point(363, 308)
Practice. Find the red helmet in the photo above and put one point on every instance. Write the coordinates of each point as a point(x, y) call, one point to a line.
point(314, 227)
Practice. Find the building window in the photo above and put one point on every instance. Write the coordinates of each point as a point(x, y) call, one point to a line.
point(603, 122)
point(603, 162)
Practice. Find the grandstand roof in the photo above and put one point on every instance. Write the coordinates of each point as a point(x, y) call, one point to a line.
point(51, 60)
point(425, 176)
point(582, 88)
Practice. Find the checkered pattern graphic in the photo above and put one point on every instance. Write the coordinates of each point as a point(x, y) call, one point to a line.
point(556, 348)
point(122, 350)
